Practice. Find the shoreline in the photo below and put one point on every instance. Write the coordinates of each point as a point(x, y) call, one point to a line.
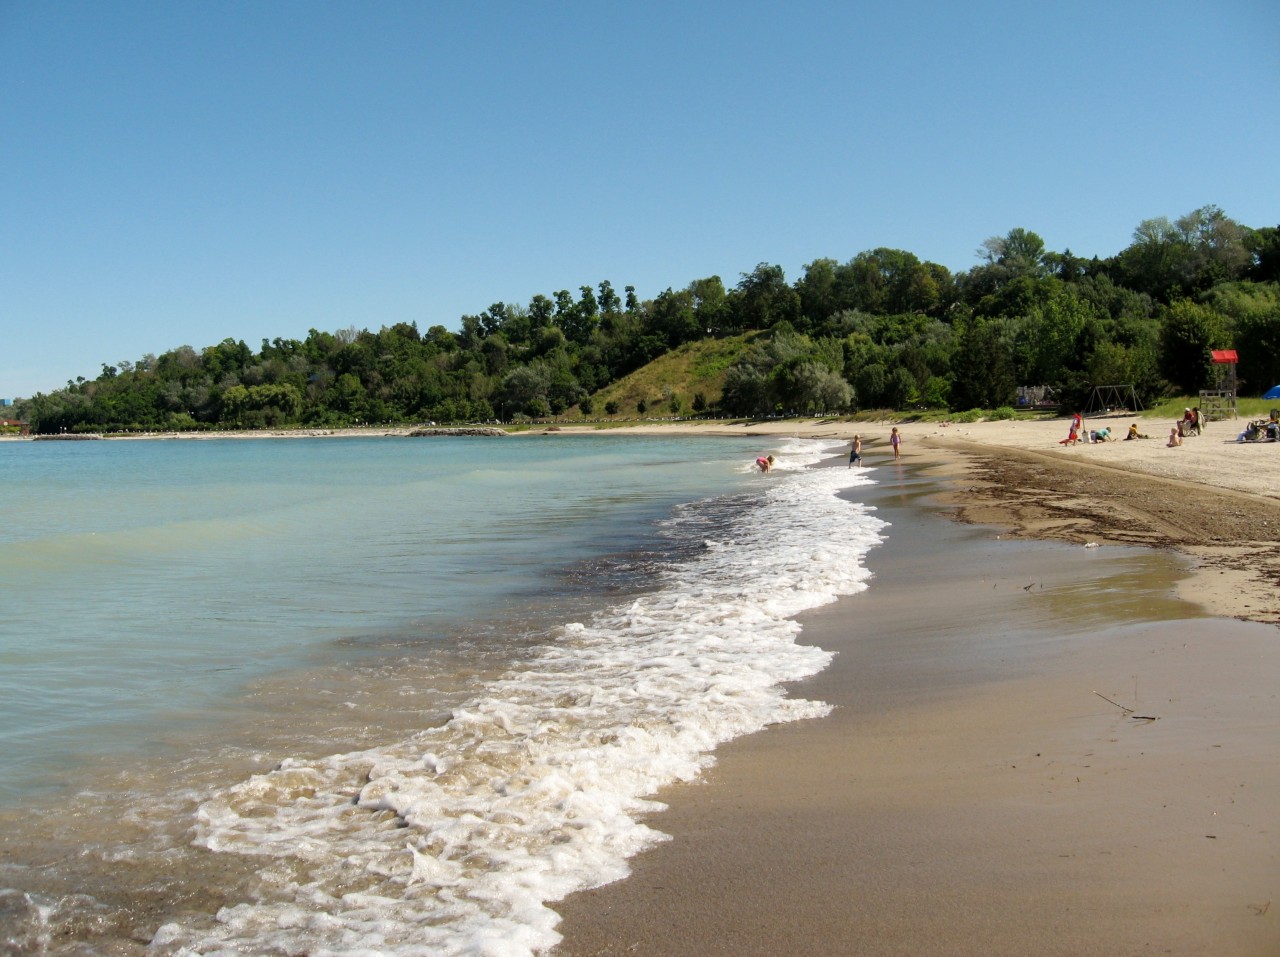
point(1212, 499)
point(1095, 775)
point(993, 659)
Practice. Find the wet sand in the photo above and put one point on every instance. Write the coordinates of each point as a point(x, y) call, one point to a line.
point(1037, 748)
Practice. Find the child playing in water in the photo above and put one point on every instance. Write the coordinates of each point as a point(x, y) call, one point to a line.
point(855, 451)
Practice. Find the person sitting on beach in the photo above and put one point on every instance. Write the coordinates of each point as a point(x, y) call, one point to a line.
point(1197, 420)
point(855, 451)
point(1174, 438)
point(1134, 433)
point(765, 462)
point(1190, 423)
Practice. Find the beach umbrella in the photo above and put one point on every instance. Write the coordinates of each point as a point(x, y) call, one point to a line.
point(1272, 393)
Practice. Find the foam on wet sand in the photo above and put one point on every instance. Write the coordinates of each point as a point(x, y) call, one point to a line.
point(1035, 748)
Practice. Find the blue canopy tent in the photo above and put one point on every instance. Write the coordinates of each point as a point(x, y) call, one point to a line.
point(1272, 393)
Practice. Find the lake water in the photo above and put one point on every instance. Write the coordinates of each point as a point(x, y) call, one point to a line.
point(382, 695)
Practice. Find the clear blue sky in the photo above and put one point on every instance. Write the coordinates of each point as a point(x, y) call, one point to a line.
point(179, 172)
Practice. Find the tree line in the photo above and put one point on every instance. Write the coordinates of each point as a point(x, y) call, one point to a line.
point(881, 330)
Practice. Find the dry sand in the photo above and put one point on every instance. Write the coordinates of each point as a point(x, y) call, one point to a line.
point(1036, 749)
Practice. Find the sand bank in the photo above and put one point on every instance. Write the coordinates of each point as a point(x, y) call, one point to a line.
point(1213, 499)
point(1036, 748)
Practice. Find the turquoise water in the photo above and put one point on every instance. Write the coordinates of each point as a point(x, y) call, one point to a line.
point(143, 583)
point(384, 696)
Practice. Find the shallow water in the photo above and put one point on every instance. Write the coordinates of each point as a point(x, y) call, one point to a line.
point(145, 582)
point(389, 696)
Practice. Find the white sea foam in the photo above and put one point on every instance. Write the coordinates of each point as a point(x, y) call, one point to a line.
point(454, 842)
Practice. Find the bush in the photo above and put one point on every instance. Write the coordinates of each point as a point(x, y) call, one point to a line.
point(1002, 413)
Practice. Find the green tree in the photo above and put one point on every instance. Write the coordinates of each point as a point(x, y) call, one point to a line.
point(890, 281)
point(763, 299)
point(901, 389)
point(1250, 310)
point(937, 393)
point(1020, 253)
point(710, 302)
point(1188, 334)
point(671, 317)
point(1172, 260)
point(871, 385)
point(608, 299)
point(1049, 335)
point(745, 390)
point(983, 375)
point(817, 288)
point(524, 390)
point(1264, 244)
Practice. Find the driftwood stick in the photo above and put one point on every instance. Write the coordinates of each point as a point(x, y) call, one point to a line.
point(1116, 703)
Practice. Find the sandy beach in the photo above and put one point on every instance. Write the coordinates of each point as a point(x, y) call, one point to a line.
point(1038, 747)
point(1054, 728)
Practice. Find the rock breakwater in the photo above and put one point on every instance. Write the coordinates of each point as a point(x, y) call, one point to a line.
point(480, 431)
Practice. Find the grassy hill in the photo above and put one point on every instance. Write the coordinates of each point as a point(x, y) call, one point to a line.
point(669, 384)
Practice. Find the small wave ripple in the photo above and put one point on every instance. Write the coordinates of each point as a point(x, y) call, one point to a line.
point(454, 841)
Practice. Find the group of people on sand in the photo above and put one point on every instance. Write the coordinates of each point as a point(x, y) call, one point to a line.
point(765, 462)
point(855, 448)
point(1191, 423)
point(1077, 434)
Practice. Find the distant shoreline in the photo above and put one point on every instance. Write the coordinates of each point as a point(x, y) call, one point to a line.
point(1213, 499)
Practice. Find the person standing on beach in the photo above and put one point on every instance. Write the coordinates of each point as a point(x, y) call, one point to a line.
point(895, 439)
point(1073, 435)
point(855, 451)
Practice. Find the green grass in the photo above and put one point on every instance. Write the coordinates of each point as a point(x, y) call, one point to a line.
point(680, 374)
point(1172, 408)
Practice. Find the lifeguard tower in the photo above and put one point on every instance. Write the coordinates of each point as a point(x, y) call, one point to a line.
point(1219, 403)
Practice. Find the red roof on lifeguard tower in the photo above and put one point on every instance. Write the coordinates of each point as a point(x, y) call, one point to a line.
point(1225, 355)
